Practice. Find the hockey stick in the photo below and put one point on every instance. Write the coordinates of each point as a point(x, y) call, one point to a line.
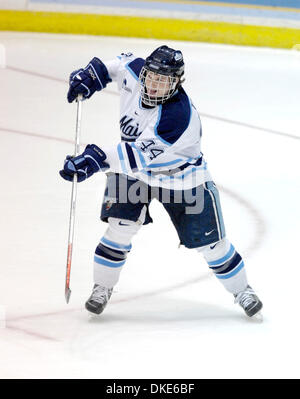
point(73, 203)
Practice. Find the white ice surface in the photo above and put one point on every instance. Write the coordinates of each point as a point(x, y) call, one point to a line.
point(169, 317)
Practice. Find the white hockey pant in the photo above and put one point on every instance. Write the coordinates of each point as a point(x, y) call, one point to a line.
point(111, 253)
point(227, 265)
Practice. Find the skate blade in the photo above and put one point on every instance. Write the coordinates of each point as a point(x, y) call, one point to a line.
point(258, 317)
point(92, 317)
point(67, 294)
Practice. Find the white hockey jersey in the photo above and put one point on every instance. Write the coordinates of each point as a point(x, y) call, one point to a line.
point(159, 145)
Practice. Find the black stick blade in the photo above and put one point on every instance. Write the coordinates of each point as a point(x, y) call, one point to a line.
point(67, 294)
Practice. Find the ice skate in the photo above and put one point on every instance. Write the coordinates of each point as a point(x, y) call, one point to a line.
point(98, 300)
point(249, 301)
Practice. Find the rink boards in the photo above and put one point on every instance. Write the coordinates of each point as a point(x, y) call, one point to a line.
point(255, 24)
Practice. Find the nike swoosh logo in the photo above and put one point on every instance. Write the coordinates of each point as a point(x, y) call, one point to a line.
point(123, 224)
point(209, 233)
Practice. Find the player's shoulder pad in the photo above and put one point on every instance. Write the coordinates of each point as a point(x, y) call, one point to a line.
point(174, 118)
point(135, 66)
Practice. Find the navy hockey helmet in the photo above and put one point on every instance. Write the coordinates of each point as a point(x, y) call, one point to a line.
point(161, 75)
point(166, 61)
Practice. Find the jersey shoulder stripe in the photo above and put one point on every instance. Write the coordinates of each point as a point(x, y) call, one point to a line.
point(135, 66)
point(174, 117)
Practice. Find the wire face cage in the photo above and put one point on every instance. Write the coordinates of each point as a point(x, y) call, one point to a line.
point(156, 88)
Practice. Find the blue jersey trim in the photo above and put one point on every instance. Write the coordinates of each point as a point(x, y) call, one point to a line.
point(140, 155)
point(158, 165)
point(174, 117)
point(131, 158)
point(135, 66)
point(156, 126)
point(121, 157)
point(182, 177)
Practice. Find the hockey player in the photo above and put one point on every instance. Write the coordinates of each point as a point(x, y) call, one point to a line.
point(159, 151)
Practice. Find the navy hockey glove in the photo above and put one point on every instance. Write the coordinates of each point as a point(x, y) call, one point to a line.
point(85, 165)
point(94, 77)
